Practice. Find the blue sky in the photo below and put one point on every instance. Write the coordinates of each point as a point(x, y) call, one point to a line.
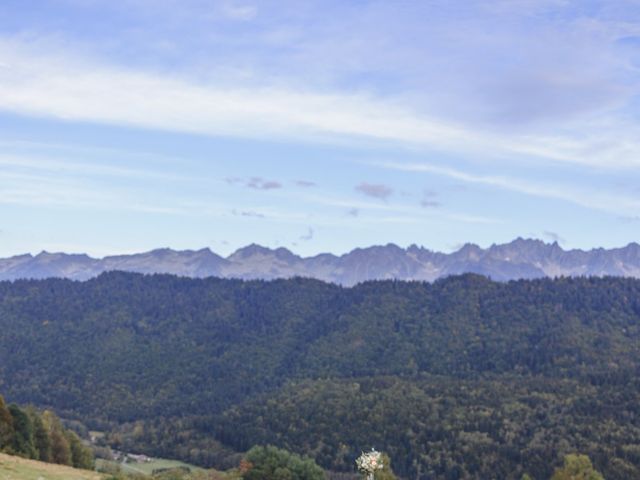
point(317, 126)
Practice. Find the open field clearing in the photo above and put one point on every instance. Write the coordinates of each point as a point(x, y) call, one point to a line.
point(146, 468)
point(17, 468)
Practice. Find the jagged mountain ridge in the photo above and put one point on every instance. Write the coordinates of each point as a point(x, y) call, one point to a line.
point(519, 259)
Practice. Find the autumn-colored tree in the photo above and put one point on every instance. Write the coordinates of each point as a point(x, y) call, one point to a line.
point(577, 467)
point(81, 456)
point(41, 439)
point(386, 473)
point(60, 449)
point(6, 426)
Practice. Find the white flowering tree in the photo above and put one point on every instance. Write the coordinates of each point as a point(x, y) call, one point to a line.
point(370, 462)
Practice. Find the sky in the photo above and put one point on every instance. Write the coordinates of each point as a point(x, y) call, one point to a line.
point(319, 126)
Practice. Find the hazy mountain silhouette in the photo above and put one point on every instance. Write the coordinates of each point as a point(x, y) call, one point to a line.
point(521, 258)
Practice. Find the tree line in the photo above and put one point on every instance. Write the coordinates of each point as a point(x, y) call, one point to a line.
point(41, 436)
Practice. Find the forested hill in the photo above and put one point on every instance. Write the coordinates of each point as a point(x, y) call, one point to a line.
point(525, 370)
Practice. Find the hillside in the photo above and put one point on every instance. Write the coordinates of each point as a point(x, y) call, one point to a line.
point(438, 375)
point(519, 259)
point(17, 468)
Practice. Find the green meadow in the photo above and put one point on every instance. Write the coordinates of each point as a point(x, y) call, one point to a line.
point(17, 468)
point(146, 468)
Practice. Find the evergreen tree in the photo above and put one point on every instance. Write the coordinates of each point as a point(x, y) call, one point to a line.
point(23, 439)
point(41, 439)
point(81, 456)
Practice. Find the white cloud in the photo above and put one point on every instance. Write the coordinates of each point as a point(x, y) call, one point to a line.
point(73, 89)
point(240, 12)
point(53, 84)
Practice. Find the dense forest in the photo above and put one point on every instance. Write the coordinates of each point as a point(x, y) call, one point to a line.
point(462, 378)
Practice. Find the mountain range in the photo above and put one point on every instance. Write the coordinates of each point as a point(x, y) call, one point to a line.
point(519, 259)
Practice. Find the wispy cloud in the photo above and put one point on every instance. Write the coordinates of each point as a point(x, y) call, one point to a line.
point(247, 213)
point(255, 183)
point(259, 183)
point(554, 237)
point(374, 190)
point(89, 168)
point(40, 81)
point(596, 200)
point(44, 191)
point(76, 89)
point(240, 12)
point(305, 183)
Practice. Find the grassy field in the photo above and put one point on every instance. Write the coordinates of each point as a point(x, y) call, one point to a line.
point(145, 468)
point(16, 468)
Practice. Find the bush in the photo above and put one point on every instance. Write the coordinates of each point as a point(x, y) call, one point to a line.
point(271, 463)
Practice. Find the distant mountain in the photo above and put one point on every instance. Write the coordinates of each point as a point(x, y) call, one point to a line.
point(519, 259)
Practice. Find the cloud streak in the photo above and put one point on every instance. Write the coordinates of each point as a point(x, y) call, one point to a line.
point(44, 191)
point(86, 168)
point(258, 183)
point(247, 213)
point(255, 183)
point(41, 82)
point(595, 200)
point(240, 12)
point(305, 183)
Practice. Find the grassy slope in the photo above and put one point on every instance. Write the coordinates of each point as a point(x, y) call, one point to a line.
point(156, 463)
point(17, 468)
point(147, 468)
